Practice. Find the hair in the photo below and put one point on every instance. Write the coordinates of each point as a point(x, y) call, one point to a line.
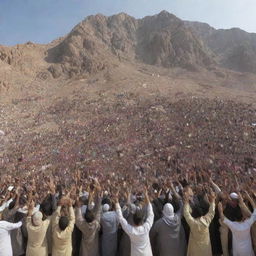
point(238, 216)
point(63, 222)
point(12, 204)
point(19, 216)
point(46, 208)
point(89, 216)
point(106, 201)
point(23, 200)
point(197, 212)
point(138, 217)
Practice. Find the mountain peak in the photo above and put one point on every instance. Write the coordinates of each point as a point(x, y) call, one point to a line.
point(98, 41)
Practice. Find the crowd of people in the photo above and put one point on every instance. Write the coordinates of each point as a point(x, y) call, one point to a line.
point(194, 213)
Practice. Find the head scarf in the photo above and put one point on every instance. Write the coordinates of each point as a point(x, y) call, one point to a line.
point(105, 208)
point(168, 213)
point(37, 218)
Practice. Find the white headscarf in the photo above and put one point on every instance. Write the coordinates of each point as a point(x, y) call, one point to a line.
point(105, 208)
point(168, 213)
point(37, 218)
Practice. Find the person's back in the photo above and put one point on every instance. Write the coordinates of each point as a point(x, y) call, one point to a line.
point(242, 242)
point(109, 226)
point(89, 226)
point(139, 233)
point(5, 239)
point(199, 238)
point(19, 235)
point(37, 242)
point(140, 243)
point(62, 229)
point(169, 229)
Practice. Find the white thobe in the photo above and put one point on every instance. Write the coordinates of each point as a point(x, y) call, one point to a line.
point(139, 236)
point(5, 238)
point(242, 242)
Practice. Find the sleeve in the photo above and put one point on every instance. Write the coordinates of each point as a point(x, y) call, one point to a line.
point(125, 226)
point(216, 188)
point(28, 222)
point(190, 220)
point(54, 202)
point(150, 219)
point(47, 222)
point(180, 211)
point(79, 218)
point(56, 216)
point(71, 219)
point(252, 219)
point(153, 235)
point(98, 209)
point(10, 226)
point(210, 215)
point(3, 206)
point(229, 223)
point(245, 211)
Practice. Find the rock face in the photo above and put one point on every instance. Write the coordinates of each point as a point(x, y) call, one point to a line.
point(233, 48)
point(99, 41)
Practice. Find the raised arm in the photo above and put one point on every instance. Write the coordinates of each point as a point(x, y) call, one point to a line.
point(150, 219)
point(190, 220)
point(10, 226)
point(245, 210)
point(210, 215)
point(215, 187)
point(125, 226)
point(253, 204)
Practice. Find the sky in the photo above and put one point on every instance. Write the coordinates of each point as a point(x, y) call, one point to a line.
point(42, 21)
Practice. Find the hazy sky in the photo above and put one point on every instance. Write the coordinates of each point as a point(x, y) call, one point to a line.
point(42, 21)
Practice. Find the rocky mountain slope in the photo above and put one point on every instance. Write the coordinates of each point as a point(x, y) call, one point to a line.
point(233, 48)
point(99, 41)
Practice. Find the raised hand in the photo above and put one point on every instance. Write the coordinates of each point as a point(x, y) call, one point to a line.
point(212, 197)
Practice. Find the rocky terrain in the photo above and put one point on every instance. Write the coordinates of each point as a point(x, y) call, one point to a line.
point(232, 48)
point(119, 93)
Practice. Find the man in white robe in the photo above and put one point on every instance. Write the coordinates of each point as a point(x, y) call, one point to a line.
point(241, 236)
point(5, 239)
point(139, 233)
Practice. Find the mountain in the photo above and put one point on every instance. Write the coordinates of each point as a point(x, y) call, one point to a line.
point(99, 41)
point(233, 48)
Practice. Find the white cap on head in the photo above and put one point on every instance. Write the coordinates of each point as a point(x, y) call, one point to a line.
point(37, 218)
point(234, 195)
point(168, 211)
point(105, 208)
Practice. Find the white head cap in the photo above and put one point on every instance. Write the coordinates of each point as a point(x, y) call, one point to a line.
point(168, 211)
point(234, 195)
point(105, 208)
point(37, 218)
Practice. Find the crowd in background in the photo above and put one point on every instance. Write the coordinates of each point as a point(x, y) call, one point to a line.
point(188, 212)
